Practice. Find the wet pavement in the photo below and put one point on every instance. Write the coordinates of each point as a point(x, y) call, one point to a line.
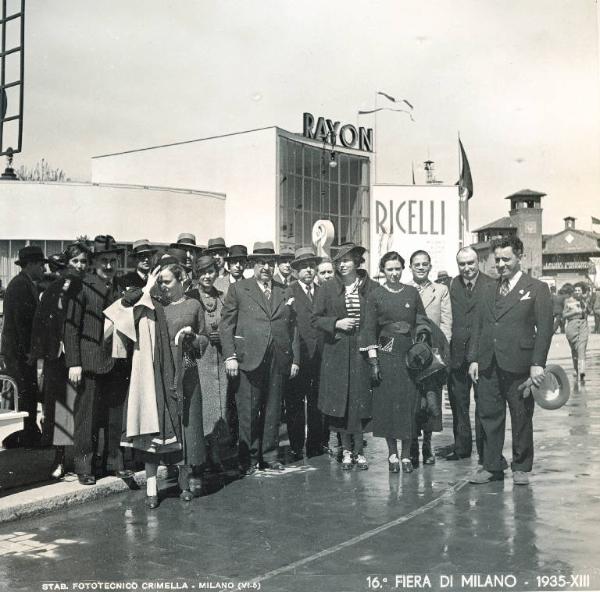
point(315, 527)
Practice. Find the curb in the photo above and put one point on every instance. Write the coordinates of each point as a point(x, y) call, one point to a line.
point(60, 494)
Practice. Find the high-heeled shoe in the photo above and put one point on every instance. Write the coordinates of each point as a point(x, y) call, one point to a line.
point(393, 464)
point(361, 462)
point(151, 502)
point(186, 495)
point(407, 466)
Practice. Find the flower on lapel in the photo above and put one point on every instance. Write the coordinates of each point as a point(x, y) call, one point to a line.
point(527, 296)
point(407, 305)
point(290, 301)
point(521, 291)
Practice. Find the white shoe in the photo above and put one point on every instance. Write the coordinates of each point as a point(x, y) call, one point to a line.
point(347, 460)
point(361, 462)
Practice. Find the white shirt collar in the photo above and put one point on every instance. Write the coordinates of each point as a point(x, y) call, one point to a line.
point(473, 281)
point(263, 287)
point(512, 282)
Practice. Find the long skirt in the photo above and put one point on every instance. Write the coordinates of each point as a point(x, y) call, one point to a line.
point(59, 404)
point(394, 400)
point(577, 332)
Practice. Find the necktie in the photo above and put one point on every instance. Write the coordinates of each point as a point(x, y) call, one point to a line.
point(267, 291)
point(469, 287)
point(504, 288)
point(309, 293)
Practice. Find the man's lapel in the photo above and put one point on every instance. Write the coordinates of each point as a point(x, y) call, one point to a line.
point(257, 295)
point(513, 296)
point(277, 296)
point(428, 295)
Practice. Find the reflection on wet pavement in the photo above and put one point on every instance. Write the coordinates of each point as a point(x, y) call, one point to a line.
point(315, 527)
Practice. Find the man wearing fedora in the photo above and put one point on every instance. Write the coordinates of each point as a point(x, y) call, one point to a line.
point(465, 292)
point(142, 252)
point(509, 345)
point(186, 243)
point(218, 250)
point(260, 344)
point(305, 387)
point(237, 262)
point(100, 379)
point(20, 303)
point(284, 274)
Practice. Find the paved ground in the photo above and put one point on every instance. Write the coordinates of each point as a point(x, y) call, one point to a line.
point(317, 528)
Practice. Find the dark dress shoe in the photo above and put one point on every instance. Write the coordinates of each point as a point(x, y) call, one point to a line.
point(407, 466)
point(429, 460)
point(297, 455)
point(151, 502)
point(455, 456)
point(249, 470)
point(414, 460)
point(273, 466)
point(86, 479)
point(124, 474)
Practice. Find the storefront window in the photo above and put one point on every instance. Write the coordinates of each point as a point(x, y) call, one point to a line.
point(311, 190)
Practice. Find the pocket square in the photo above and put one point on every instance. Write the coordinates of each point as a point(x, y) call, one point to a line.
point(526, 297)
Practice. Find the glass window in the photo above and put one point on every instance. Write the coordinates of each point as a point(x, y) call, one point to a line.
point(343, 165)
point(354, 172)
point(344, 200)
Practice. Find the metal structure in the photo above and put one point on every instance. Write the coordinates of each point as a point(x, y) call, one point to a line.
point(18, 50)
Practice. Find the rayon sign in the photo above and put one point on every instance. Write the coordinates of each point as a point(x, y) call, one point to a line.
point(327, 130)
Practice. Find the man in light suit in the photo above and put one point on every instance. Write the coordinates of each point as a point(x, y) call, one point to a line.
point(305, 387)
point(436, 300)
point(260, 344)
point(465, 291)
point(510, 343)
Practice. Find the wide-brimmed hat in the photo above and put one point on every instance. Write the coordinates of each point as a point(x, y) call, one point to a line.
point(304, 255)
point(142, 246)
point(204, 262)
point(286, 254)
point(555, 389)
point(104, 244)
point(186, 240)
point(30, 255)
point(216, 244)
point(57, 261)
point(236, 252)
point(442, 274)
point(345, 249)
point(263, 249)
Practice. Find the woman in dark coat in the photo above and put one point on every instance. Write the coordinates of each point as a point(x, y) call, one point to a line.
point(395, 316)
point(345, 382)
point(58, 394)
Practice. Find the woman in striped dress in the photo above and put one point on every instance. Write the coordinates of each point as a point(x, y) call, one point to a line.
point(345, 384)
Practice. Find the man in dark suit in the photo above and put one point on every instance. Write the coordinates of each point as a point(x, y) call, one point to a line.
point(260, 343)
point(142, 252)
point(305, 387)
point(509, 345)
point(102, 380)
point(465, 291)
point(283, 273)
point(20, 303)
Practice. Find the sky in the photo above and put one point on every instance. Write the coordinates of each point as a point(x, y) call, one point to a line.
point(518, 79)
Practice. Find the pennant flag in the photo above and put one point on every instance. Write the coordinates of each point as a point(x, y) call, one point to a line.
point(465, 183)
point(394, 100)
point(369, 111)
point(595, 220)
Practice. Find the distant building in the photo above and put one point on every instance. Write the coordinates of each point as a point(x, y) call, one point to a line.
point(566, 255)
point(525, 221)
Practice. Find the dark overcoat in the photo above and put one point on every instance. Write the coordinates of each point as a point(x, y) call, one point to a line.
point(344, 368)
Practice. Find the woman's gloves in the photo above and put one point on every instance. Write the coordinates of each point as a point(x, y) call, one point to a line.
point(375, 371)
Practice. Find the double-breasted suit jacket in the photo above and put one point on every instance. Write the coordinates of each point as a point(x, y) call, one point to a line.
point(250, 324)
point(311, 339)
point(464, 308)
point(84, 327)
point(515, 329)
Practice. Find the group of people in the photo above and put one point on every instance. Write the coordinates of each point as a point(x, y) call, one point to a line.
point(200, 350)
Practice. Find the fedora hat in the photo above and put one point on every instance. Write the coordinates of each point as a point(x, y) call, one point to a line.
point(286, 254)
point(237, 251)
point(304, 255)
point(263, 249)
point(104, 244)
point(142, 246)
point(204, 262)
point(555, 389)
point(175, 255)
point(346, 249)
point(30, 255)
point(216, 244)
point(186, 240)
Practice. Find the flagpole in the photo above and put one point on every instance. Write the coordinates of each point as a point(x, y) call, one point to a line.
point(376, 156)
point(461, 205)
